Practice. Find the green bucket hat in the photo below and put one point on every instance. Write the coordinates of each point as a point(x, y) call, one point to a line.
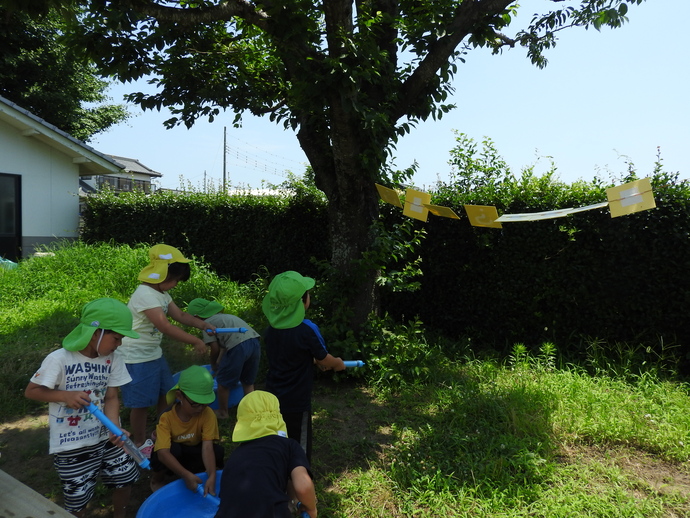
point(160, 256)
point(105, 313)
point(258, 415)
point(203, 308)
point(196, 383)
point(283, 304)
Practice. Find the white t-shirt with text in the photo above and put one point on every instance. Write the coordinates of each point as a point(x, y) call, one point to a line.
point(71, 370)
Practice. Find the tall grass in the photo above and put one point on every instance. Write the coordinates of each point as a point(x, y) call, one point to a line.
point(41, 300)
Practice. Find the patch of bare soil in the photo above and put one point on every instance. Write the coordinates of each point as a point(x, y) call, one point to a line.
point(650, 473)
point(24, 456)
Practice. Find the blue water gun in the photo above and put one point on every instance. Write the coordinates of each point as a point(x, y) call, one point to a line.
point(127, 445)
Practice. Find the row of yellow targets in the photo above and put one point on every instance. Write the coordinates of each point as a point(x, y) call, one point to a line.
point(622, 200)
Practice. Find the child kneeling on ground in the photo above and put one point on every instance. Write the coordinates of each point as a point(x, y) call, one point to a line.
point(187, 434)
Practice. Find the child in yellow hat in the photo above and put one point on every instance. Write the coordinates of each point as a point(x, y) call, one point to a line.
point(267, 470)
point(86, 370)
point(151, 305)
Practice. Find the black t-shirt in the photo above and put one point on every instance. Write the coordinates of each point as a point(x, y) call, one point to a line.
point(291, 353)
point(255, 477)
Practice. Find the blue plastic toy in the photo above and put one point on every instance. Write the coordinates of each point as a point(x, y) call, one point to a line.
point(174, 500)
point(128, 445)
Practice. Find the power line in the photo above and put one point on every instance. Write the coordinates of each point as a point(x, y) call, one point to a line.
point(254, 158)
point(248, 158)
point(249, 161)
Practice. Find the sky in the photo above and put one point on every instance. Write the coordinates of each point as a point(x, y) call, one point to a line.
point(605, 100)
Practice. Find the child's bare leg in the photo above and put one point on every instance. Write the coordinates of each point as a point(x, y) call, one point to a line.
point(162, 405)
point(120, 501)
point(137, 425)
point(223, 396)
point(248, 388)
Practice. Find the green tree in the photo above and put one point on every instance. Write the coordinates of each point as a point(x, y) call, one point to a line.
point(348, 77)
point(40, 74)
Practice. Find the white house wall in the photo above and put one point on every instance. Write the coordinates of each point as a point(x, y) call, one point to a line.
point(49, 184)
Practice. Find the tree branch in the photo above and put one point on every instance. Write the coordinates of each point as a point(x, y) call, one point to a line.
point(224, 11)
point(468, 17)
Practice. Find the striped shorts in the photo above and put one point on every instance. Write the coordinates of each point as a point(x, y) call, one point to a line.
point(79, 469)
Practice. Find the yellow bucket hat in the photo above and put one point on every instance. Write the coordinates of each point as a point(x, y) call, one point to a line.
point(258, 415)
point(160, 256)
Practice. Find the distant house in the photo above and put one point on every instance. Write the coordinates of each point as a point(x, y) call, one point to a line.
point(40, 169)
point(134, 176)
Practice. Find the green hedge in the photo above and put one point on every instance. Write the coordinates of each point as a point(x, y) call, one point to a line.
point(564, 280)
point(240, 235)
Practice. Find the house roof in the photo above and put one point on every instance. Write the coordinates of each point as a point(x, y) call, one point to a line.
point(89, 160)
point(132, 165)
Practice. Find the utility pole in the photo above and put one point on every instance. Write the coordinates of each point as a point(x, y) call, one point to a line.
point(225, 152)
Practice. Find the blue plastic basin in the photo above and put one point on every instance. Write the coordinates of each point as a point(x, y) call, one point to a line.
point(176, 501)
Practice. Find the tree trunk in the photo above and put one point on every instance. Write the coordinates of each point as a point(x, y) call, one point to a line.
point(352, 209)
point(351, 214)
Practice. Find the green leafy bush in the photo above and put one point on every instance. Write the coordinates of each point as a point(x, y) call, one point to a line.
point(564, 280)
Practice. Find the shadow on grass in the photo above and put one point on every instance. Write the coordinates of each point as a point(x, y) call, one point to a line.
point(461, 434)
point(21, 354)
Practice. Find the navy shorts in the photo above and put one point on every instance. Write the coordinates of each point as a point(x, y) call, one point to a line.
point(189, 457)
point(150, 381)
point(79, 469)
point(241, 363)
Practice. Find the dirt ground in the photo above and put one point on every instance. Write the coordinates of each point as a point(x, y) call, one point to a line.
point(350, 431)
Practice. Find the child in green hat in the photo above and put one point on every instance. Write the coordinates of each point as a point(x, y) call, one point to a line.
point(86, 370)
point(187, 434)
point(293, 345)
point(241, 351)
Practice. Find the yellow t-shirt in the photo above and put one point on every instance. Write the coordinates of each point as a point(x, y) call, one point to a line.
point(171, 428)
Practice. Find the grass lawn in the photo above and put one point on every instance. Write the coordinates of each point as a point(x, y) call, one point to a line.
point(476, 439)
